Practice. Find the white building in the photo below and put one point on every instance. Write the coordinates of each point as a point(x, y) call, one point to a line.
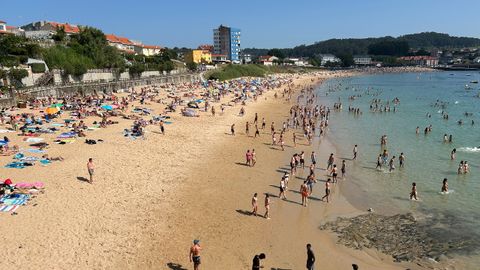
point(298, 62)
point(267, 60)
point(362, 60)
point(325, 58)
point(147, 50)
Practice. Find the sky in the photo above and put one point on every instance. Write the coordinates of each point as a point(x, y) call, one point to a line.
point(264, 23)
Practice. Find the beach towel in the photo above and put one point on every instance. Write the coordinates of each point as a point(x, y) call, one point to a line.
point(6, 131)
point(58, 125)
point(45, 162)
point(36, 151)
point(66, 135)
point(29, 159)
point(14, 201)
point(17, 165)
point(34, 140)
point(18, 156)
point(8, 208)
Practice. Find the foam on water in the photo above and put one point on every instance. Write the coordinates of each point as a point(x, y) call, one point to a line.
point(469, 149)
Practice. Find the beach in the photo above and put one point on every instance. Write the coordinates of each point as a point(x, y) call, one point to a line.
point(152, 197)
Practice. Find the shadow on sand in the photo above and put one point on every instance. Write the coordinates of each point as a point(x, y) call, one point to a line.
point(175, 266)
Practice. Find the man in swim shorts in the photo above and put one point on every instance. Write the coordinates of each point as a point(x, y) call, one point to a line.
point(195, 254)
point(91, 169)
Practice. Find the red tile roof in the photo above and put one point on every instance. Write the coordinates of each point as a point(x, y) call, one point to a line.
point(117, 39)
point(151, 47)
point(69, 28)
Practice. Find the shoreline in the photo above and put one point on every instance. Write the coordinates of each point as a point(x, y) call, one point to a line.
point(154, 196)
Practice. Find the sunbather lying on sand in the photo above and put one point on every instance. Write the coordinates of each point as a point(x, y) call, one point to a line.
point(59, 158)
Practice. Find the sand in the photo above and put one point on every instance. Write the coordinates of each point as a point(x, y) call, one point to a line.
point(152, 197)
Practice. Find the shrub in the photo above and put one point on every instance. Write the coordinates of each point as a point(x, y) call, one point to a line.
point(38, 68)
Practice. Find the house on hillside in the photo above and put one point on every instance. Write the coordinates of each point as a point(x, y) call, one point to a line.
point(198, 57)
point(121, 43)
point(52, 27)
point(147, 50)
point(8, 29)
point(325, 58)
point(267, 60)
point(220, 58)
point(362, 60)
point(427, 61)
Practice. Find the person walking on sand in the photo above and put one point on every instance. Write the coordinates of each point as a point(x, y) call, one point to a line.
point(256, 261)
point(327, 189)
point(247, 129)
point(267, 206)
point(331, 159)
point(248, 158)
point(253, 157)
point(232, 129)
point(310, 257)
point(304, 192)
point(343, 169)
point(413, 193)
point(91, 169)
point(162, 127)
point(313, 157)
point(283, 188)
point(254, 204)
point(195, 254)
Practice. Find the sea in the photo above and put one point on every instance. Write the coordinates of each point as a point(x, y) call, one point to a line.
point(415, 100)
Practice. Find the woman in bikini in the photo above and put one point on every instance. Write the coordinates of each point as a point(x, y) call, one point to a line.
point(254, 204)
point(304, 192)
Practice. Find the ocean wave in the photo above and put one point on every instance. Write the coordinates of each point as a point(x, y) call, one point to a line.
point(469, 149)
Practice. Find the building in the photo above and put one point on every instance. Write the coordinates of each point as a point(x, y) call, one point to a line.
point(226, 41)
point(206, 47)
point(198, 57)
point(245, 58)
point(362, 60)
point(147, 50)
point(3, 27)
point(297, 62)
point(70, 29)
point(326, 58)
point(121, 43)
point(428, 61)
point(267, 60)
point(220, 58)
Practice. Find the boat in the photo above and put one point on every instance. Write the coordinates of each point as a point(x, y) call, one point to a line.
point(474, 82)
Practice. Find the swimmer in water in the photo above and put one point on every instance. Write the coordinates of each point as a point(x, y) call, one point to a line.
point(452, 154)
point(413, 193)
point(444, 185)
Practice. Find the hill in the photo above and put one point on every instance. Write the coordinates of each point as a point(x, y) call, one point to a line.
point(353, 46)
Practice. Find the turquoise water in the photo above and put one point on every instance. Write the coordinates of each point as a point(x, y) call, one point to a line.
point(427, 157)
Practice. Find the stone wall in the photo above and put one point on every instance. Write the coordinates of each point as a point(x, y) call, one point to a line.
point(94, 75)
point(102, 87)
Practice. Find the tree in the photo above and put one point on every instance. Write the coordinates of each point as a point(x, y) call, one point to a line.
point(16, 76)
point(60, 34)
point(347, 60)
point(277, 53)
point(136, 69)
point(192, 66)
point(395, 48)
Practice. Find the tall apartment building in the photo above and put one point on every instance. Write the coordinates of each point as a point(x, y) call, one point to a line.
point(226, 41)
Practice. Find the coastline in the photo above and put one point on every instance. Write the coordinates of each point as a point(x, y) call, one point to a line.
point(154, 196)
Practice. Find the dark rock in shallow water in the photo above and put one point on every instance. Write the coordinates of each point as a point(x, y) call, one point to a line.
point(401, 236)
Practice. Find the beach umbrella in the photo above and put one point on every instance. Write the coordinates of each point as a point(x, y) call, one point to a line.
point(107, 107)
point(52, 110)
